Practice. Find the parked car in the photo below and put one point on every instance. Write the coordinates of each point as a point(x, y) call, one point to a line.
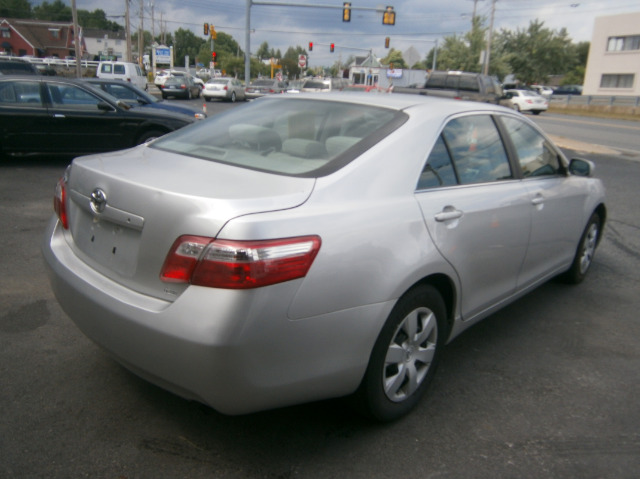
point(15, 66)
point(459, 86)
point(127, 71)
point(230, 89)
point(136, 97)
point(544, 91)
point(263, 87)
point(568, 90)
point(56, 115)
point(324, 85)
point(161, 77)
point(527, 100)
point(305, 247)
point(366, 88)
point(180, 87)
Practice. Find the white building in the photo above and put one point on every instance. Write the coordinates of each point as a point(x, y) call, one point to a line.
point(613, 67)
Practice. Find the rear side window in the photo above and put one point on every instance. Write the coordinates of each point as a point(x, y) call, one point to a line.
point(477, 150)
point(535, 155)
point(118, 69)
point(20, 94)
point(106, 68)
point(438, 170)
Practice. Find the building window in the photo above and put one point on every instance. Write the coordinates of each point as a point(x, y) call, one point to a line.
point(619, 44)
point(6, 33)
point(55, 32)
point(623, 80)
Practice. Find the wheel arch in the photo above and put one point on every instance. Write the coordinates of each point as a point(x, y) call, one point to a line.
point(446, 288)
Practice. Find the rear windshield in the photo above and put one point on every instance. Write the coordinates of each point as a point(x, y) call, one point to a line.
point(318, 85)
point(305, 137)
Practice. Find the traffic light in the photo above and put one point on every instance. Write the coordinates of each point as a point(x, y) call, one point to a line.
point(332, 47)
point(214, 57)
point(310, 46)
point(389, 16)
point(206, 29)
point(386, 42)
point(346, 12)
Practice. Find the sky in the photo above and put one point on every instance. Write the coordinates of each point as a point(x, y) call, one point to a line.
point(419, 23)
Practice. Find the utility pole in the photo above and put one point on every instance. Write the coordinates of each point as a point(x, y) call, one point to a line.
point(76, 38)
point(141, 33)
point(127, 27)
point(487, 57)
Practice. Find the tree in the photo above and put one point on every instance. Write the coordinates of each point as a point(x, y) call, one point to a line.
point(394, 58)
point(15, 9)
point(186, 43)
point(55, 12)
point(97, 19)
point(537, 52)
point(263, 52)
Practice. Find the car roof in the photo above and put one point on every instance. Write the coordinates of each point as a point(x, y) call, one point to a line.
point(397, 101)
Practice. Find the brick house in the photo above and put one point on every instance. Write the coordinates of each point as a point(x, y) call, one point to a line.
point(36, 38)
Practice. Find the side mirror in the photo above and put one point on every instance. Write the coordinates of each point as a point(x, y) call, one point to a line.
point(581, 167)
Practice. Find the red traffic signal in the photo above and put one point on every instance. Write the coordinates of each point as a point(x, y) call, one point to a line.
point(332, 47)
point(310, 46)
point(214, 56)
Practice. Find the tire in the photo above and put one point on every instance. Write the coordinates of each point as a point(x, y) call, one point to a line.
point(401, 367)
point(516, 107)
point(586, 251)
point(189, 96)
point(536, 112)
point(233, 97)
point(164, 97)
point(148, 136)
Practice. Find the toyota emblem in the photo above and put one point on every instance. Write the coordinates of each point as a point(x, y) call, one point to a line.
point(98, 200)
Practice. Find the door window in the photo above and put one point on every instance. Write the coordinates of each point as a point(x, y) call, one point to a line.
point(476, 149)
point(535, 155)
point(21, 94)
point(71, 97)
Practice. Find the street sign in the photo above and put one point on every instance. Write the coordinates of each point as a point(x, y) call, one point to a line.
point(302, 61)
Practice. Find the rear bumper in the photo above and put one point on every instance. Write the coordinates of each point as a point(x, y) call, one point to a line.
point(234, 350)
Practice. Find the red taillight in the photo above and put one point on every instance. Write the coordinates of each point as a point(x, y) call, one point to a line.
point(225, 87)
point(60, 203)
point(231, 264)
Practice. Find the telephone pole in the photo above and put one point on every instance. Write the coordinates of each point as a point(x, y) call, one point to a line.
point(487, 57)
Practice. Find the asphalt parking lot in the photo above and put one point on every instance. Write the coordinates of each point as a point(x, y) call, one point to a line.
point(547, 387)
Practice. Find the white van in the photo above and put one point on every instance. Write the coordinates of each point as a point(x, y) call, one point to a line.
point(126, 71)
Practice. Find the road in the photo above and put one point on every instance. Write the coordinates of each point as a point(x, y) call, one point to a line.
point(548, 387)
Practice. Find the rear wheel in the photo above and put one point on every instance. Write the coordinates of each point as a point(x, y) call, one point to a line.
point(515, 107)
point(405, 356)
point(233, 97)
point(585, 252)
point(189, 96)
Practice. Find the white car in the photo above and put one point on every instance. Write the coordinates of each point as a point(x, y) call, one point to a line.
point(527, 100)
point(125, 71)
point(542, 90)
point(161, 77)
point(229, 89)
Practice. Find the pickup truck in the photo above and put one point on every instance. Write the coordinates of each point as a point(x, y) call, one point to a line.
point(458, 85)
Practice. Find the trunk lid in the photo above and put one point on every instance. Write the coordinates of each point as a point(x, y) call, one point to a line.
point(127, 208)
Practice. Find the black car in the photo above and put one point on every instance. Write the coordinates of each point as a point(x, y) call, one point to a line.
point(133, 95)
point(180, 87)
point(568, 90)
point(15, 66)
point(55, 115)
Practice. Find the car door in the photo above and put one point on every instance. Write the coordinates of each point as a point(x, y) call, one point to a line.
point(24, 118)
point(556, 205)
point(477, 213)
point(85, 122)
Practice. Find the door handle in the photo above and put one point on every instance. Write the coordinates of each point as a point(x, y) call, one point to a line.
point(537, 200)
point(58, 115)
point(448, 213)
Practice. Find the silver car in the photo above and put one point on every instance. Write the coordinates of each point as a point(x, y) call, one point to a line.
point(253, 260)
point(229, 89)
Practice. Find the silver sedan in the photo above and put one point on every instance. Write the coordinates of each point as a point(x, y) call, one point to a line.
point(254, 260)
point(229, 89)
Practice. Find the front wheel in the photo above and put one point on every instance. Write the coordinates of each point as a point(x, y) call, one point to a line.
point(405, 356)
point(585, 252)
point(516, 107)
point(148, 136)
